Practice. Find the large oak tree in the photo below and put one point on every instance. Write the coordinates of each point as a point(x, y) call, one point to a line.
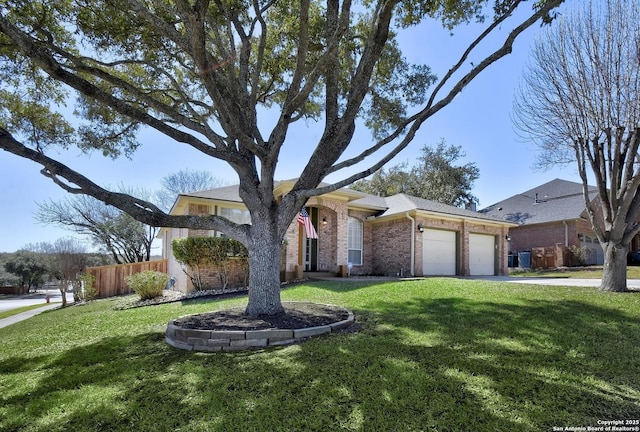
point(200, 72)
point(580, 103)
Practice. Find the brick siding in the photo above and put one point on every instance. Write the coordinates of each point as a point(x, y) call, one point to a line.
point(391, 247)
point(527, 237)
point(210, 277)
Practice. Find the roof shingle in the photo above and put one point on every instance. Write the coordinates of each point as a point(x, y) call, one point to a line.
point(554, 201)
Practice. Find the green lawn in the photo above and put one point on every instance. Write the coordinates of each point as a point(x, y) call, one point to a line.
point(6, 314)
point(435, 355)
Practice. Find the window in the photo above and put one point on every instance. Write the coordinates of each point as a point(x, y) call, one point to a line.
point(200, 210)
point(354, 241)
point(238, 216)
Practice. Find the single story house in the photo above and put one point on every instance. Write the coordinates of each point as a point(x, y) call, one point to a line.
point(361, 234)
point(552, 214)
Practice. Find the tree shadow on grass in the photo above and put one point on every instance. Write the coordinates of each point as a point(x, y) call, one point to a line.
point(348, 285)
point(446, 364)
point(544, 363)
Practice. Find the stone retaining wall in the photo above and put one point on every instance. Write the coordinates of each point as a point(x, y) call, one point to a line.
point(239, 340)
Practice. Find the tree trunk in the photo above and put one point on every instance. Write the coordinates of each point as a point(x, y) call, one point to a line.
point(264, 273)
point(63, 290)
point(614, 274)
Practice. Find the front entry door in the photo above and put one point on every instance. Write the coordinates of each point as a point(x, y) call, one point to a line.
point(309, 246)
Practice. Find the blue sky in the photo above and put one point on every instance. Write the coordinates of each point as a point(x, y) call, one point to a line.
point(479, 120)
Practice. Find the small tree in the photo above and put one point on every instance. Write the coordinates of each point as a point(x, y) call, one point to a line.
point(89, 290)
point(191, 252)
point(222, 250)
point(580, 255)
point(109, 228)
point(66, 258)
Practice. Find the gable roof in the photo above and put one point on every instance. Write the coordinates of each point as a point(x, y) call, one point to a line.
point(224, 193)
point(232, 193)
point(553, 201)
point(385, 206)
point(402, 203)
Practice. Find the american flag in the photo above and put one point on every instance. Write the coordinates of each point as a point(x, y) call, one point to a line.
point(304, 219)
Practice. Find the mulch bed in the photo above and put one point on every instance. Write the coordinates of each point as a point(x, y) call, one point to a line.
point(295, 316)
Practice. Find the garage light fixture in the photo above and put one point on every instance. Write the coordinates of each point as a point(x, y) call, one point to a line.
point(507, 237)
point(420, 228)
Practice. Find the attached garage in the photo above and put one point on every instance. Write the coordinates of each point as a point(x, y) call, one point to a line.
point(595, 254)
point(482, 255)
point(439, 252)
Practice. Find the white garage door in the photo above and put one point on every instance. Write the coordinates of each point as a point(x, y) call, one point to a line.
point(595, 255)
point(482, 254)
point(438, 252)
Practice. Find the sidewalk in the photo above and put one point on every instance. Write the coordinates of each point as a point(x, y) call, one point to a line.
point(28, 314)
point(8, 303)
point(632, 284)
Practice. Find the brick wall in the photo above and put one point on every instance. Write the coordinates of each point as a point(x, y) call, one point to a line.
point(391, 247)
point(210, 276)
point(327, 240)
point(367, 244)
point(527, 237)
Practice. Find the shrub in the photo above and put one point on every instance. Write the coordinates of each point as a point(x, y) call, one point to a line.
point(89, 291)
point(198, 253)
point(148, 284)
point(580, 255)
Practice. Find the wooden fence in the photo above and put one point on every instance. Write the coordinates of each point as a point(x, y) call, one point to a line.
point(13, 290)
point(110, 280)
point(552, 257)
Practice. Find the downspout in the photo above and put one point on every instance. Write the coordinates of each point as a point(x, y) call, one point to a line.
point(566, 233)
point(413, 243)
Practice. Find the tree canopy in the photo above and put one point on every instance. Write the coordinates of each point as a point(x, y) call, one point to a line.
point(580, 102)
point(434, 177)
point(203, 72)
point(28, 266)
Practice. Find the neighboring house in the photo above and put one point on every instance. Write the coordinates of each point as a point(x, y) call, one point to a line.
point(361, 234)
point(550, 215)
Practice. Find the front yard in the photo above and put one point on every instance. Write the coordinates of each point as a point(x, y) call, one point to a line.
point(436, 354)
